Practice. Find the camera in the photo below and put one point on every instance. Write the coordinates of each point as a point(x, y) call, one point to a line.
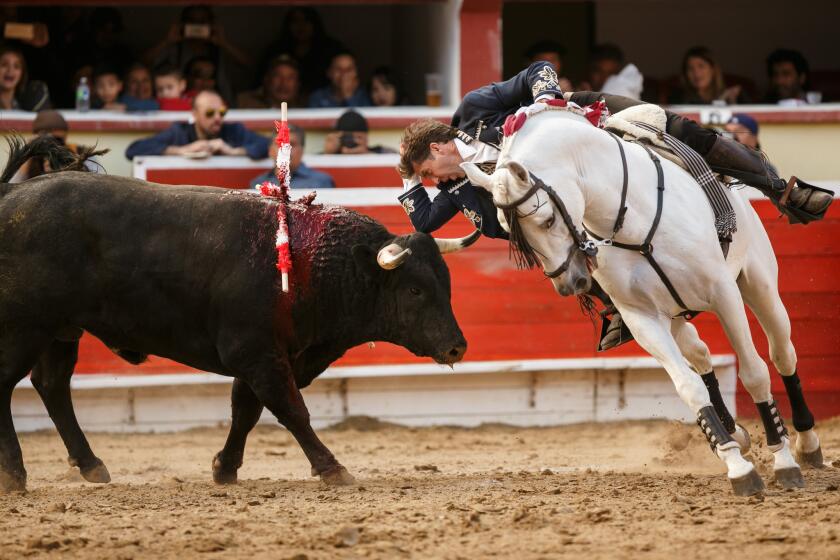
point(348, 140)
point(196, 31)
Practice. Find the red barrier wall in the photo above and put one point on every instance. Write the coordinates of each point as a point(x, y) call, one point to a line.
point(510, 314)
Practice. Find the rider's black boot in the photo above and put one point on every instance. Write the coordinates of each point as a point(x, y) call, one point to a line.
point(613, 330)
point(804, 203)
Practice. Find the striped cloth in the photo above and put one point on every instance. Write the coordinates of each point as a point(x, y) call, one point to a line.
point(699, 169)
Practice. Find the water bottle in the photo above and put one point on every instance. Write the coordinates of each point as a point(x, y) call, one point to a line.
point(83, 95)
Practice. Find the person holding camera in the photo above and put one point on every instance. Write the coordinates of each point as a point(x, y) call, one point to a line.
point(351, 137)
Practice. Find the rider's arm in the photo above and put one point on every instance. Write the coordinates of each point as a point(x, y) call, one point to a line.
point(426, 215)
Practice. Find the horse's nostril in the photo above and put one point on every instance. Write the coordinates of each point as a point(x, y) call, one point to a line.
point(580, 284)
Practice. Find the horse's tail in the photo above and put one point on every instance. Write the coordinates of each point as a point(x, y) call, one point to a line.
point(59, 156)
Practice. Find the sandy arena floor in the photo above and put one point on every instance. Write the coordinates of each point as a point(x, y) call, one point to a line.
point(612, 491)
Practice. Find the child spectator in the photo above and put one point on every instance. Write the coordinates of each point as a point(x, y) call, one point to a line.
point(107, 88)
point(344, 89)
point(702, 81)
point(201, 75)
point(171, 89)
point(386, 88)
point(138, 94)
point(16, 91)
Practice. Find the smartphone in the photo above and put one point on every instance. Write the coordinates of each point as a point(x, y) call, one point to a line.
point(196, 31)
point(348, 140)
point(23, 31)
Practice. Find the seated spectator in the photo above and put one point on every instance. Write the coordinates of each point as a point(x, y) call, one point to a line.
point(138, 94)
point(344, 89)
point(702, 81)
point(744, 129)
point(171, 89)
point(609, 74)
point(280, 83)
point(787, 71)
point(386, 88)
point(107, 88)
point(552, 52)
point(201, 75)
point(49, 123)
point(351, 137)
point(208, 135)
point(303, 177)
point(303, 37)
point(16, 90)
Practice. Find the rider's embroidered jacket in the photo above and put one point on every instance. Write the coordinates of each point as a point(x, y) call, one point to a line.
point(479, 119)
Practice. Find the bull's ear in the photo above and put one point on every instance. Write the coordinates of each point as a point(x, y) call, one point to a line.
point(518, 171)
point(365, 258)
point(476, 176)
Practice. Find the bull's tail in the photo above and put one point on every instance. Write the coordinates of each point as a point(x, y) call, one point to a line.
point(59, 156)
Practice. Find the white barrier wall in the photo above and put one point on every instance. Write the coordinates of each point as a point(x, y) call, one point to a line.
point(529, 393)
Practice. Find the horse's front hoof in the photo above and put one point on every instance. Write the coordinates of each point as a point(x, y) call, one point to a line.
point(813, 459)
point(748, 485)
point(12, 483)
point(222, 475)
point(742, 437)
point(790, 477)
point(337, 476)
point(98, 474)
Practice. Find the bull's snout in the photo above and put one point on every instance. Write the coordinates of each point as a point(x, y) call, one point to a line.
point(454, 354)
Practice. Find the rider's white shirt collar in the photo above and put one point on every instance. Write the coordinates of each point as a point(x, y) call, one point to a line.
point(476, 151)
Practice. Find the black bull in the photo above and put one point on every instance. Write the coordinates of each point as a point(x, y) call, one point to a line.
point(189, 273)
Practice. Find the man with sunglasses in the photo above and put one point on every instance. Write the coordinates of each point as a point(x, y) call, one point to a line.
point(207, 135)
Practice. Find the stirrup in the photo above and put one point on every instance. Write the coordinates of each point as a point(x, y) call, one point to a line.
point(609, 337)
point(797, 214)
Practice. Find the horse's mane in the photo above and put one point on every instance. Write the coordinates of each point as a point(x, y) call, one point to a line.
point(520, 251)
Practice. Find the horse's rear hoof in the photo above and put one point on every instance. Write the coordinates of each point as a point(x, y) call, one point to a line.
point(790, 477)
point(748, 485)
point(12, 483)
point(337, 476)
point(98, 474)
point(221, 475)
point(813, 459)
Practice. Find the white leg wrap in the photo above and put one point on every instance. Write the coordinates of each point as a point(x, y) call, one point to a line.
point(807, 441)
point(736, 465)
point(782, 457)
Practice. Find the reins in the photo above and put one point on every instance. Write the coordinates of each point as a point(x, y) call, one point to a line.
point(590, 247)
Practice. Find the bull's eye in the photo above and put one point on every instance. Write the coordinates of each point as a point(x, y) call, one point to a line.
point(549, 222)
point(415, 291)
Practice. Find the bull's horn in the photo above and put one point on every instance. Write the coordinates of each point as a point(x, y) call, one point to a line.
point(455, 245)
point(391, 256)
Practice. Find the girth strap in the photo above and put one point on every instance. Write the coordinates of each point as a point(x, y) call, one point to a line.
point(646, 247)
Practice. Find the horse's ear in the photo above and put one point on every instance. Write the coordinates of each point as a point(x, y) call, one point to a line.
point(518, 171)
point(476, 176)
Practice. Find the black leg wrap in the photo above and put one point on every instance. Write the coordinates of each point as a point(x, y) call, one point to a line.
point(774, 427)
point(712, 427)
point(717, 401)
point(803, 420)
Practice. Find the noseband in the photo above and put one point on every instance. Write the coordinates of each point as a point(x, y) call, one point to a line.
point(581, 242)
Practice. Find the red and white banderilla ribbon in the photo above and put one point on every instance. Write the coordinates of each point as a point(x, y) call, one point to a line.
point(281, 192)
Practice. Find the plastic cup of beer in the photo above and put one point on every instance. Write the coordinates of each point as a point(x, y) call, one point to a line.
point(434, 90)
point(813, 97)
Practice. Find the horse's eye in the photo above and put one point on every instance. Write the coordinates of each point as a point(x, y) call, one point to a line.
point(549, 222)
point(415, 291)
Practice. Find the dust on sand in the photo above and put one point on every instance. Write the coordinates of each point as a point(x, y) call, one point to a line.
point(632, 490)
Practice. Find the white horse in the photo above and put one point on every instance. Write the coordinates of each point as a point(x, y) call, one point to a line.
point(581, 164)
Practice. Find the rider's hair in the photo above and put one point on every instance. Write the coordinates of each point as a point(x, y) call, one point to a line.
point(415, 143)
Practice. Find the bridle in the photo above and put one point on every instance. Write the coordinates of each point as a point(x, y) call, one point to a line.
point(581, 243)
point(584, 244)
